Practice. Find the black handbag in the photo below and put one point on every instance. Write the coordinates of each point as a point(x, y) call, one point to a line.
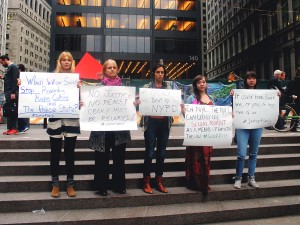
point(10, 109)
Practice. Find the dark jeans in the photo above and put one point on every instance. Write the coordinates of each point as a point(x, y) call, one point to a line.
point(69, 149)
point(156, 134)
point(22, 123)
point(102, 165)
point(12, 120)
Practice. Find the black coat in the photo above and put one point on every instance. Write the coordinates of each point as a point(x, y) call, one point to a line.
point(10, 81)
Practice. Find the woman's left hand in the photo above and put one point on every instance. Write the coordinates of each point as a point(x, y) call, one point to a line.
point(279, 94)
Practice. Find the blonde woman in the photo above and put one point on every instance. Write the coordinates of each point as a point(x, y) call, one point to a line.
point(63, 128)
point(104, 141)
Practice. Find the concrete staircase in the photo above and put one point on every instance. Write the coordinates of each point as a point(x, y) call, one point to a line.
point(25, 186)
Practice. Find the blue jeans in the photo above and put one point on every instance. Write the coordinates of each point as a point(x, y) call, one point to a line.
point(245, 137)
point(157, 133)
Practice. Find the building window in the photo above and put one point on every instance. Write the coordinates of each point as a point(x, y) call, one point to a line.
point(124, 21)
point(174, 23)
point(80, 2)
point(178, 45)
point(78, 20)
point(129, 4)
point(129, 44)
point(175, 5)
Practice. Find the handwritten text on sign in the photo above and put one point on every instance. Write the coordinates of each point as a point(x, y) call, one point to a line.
point(108, 108)
point(160, 102)
point(207, 125)
point(255, 108)
point(48, 95)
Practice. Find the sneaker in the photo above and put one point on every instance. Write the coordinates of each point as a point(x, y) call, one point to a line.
point(22, 131)
point(251, 182)
point(237, 183)
point(5, 132)
point(12, 131)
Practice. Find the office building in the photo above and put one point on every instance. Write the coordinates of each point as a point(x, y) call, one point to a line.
point(136, 33)
point(28, 33)
point(260, 35)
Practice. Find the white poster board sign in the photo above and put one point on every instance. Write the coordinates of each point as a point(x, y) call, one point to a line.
point(108, 108)
point(207, 125)
point(255, 108)
point(159, 102)
point(48, 95)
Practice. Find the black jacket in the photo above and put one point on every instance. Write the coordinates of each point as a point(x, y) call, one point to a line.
point(10, 81)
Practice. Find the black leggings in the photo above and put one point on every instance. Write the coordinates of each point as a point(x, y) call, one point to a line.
point(69, 148)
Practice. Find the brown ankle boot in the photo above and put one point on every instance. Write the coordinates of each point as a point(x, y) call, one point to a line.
point(147, 188)
point(70, 191)
point(160, 185)
point(55, 192)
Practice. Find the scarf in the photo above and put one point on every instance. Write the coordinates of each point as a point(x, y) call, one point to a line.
point(112, 82)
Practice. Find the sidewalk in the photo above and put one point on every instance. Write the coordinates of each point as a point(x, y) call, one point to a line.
point(37, 132)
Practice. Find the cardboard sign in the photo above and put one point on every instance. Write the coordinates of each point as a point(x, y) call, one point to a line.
point(207, 125)
point(108, 108)
point(48, 95)
point(160, 102)
point(255, 108)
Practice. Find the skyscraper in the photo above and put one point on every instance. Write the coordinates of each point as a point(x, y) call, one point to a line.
point(136, 33)
point(28, 33)
point(253, 35)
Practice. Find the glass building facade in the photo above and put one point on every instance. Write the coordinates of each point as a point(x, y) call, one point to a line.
point(136, 33)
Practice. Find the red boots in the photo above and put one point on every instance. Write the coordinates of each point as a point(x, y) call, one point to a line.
point(147, 188)
point(160, 187)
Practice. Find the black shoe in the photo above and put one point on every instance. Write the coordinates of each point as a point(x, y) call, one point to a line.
point(269, 128)
point(102, 193)
point(121, 191)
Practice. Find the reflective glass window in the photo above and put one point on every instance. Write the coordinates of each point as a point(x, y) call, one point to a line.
point(175, 5)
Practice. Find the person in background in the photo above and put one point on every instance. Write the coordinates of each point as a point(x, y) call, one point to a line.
point(276, 83)
point(23, 123)
point(11, 90)
point(232, 77)
point(293, 91)
point(103, 141)
point(197, 158)
point(156, 132)
point(67, 128)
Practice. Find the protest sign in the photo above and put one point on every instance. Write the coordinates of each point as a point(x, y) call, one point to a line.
point(108, 108)
point(255, 108)
point(48, 95)
point(207, 125)
point(160, 102)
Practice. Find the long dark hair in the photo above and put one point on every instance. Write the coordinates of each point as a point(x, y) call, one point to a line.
point(155, 67)
point(250, 74)
point(195, 81)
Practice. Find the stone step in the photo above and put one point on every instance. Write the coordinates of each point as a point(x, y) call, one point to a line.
point(274, 220)
point(138, 153)
point(29, 183)
point(135, 143)
point(136, 165)
point(132, 209)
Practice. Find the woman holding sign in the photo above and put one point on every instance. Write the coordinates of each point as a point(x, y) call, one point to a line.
point(103, 141)
point(59, 128)
point(156, 132)
point(197, 159)
point(245, 137)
